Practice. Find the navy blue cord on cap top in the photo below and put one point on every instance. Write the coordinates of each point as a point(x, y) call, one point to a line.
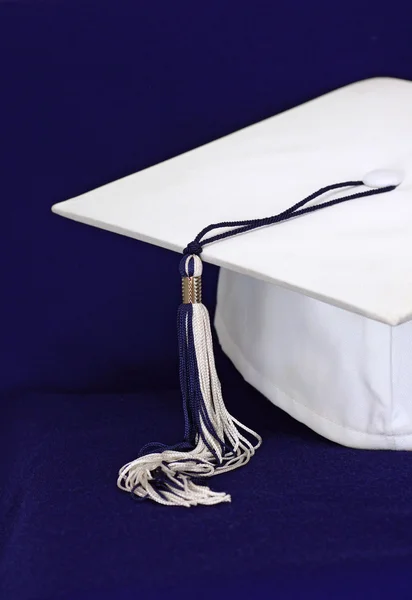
point(196, 246)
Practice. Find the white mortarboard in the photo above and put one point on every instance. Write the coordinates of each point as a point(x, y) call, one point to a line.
point(315, 311)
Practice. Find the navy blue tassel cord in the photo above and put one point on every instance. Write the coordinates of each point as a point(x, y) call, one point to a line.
point(196, 246)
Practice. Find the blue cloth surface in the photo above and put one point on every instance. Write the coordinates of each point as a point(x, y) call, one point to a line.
point(90, 92)
point(308, 518)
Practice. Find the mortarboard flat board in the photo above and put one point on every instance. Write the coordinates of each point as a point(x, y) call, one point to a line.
point(348, 257)
point(307, 309)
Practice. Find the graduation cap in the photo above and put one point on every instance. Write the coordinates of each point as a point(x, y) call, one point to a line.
point(306, 216)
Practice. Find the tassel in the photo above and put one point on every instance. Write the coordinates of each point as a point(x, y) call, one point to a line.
point(214, 441)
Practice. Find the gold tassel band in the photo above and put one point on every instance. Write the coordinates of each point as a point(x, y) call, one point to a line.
point(192, 290)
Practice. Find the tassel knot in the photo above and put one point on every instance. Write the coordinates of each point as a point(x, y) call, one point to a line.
point(193, 248)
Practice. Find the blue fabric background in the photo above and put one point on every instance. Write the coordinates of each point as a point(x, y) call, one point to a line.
point(90, 92)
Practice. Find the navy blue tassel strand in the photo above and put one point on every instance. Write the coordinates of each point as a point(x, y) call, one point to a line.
point(214, 441)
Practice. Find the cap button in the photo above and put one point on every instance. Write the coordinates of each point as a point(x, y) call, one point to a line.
point(382, 178)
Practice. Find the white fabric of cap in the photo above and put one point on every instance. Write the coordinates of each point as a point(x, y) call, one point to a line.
point(345, 376)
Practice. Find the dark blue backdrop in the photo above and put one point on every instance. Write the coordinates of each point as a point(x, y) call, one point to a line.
point(90, 92)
